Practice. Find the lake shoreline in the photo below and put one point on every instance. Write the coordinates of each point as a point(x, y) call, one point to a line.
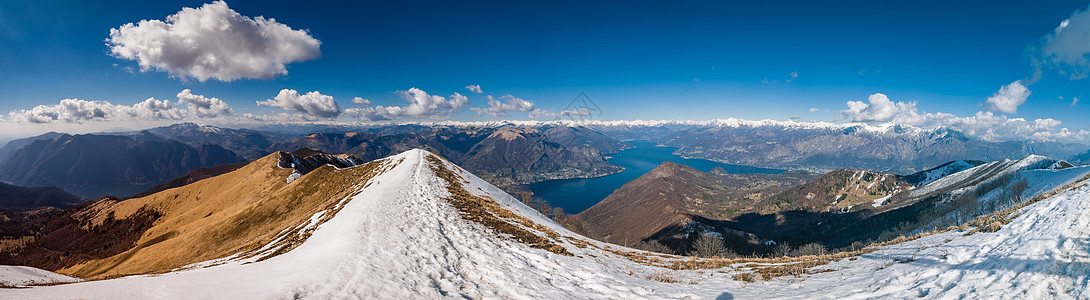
point(575, 195)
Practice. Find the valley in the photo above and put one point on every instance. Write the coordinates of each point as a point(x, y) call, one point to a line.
point(577, 194)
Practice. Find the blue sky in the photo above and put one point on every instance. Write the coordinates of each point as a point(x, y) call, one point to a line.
point(637, 60)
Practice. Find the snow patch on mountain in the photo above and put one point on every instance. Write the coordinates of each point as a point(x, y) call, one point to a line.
point(20, 276)
point(931, 175)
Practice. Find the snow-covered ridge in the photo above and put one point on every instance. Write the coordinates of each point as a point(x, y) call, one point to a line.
point(400, 237)
point(984, 172)
point(928, 176)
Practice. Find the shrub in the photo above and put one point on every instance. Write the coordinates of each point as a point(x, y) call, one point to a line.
point(810, 249)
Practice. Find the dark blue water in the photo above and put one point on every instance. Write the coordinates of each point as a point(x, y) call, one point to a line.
point(576, 195)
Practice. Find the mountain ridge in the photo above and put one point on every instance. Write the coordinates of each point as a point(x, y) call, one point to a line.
point(108, 162)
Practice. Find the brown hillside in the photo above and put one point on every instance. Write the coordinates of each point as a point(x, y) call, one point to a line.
point(191, 177)
point(671, 194)
point(235, 213)
point(843, 190)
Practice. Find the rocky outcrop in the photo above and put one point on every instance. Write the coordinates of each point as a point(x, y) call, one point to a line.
point(304, 160)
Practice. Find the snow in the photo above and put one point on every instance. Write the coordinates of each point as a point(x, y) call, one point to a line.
point(294, 175)
point(24, 276)
point(878, 202)
point(399, 239)
point(993, 169)
point(938, 173)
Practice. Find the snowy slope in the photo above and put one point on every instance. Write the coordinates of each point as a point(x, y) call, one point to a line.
point(981, 173)
point(23, 276)
point(399, 238)
point(928, 176)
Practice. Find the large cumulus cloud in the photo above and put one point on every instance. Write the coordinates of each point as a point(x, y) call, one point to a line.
point(213, 42)
point(880, 110)
point(312, 103)
point(1008, 98)
point(204, 107)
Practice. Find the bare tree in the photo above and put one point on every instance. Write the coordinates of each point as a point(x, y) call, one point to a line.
point(653, 246)
point(708, 245)
point(781, 250)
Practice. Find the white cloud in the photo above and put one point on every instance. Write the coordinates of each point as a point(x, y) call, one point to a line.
point(422, 105)
point(983, 124)
point(576, 113)
point(80, 111)
point(1075, 100)
point(814, 109)
point(476, 89)
point(152, 109)
point(880, 110)
point(579, 112)
point(215, 42)
point(281, 118)
point(367, 114)
point(500, 108)
point(1068, 46)
point(361, 101)
point(202, 106)
point(540, 112)
point(68, 110)
point(1007, 99)
point(312, 103)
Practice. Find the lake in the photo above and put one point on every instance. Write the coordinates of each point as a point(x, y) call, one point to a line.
point(576, 195)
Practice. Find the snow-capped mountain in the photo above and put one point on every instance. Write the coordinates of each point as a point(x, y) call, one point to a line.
point(417, 226)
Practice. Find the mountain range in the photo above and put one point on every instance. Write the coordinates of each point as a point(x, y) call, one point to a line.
point(897, 150)
point(415, 225)
point(505, 155)
point(126, 163)
point(96, 165)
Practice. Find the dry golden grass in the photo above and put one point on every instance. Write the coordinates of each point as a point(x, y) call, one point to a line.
point(234, 213)
point(489, 213)
point(671, 277)
point(15, 243)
